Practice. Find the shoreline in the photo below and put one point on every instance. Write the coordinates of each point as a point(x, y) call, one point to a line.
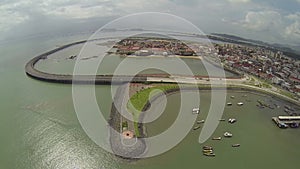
point(142, 128)
point(32, 72)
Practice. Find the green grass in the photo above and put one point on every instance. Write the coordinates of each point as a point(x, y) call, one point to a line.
point(139, 100)
point(287, 93)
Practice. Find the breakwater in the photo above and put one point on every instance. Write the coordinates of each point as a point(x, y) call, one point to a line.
point(131, 148)
point(31, 71)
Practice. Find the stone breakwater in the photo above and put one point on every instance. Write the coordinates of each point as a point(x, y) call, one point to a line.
point(123, 147)
point(86, 79)
point(31, 71)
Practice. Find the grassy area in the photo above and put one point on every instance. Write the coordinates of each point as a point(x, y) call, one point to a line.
point(139, 100)
point(286, 93)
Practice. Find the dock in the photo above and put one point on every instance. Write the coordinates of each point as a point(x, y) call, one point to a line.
point(286, 121)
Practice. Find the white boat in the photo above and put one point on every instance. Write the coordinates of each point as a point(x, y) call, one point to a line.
point(200, 121)
point(229, 104)
point(231, 121)
point(240, 103)
point(236, 145)
point(196, 110)
point(227, 134)
point(217, 138)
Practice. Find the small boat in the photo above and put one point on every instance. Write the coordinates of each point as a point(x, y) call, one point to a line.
point(232, 97)
point(207, 151)
point(227, 134)
point(217, 138)
point(229, 104)
point(200, 121)
point(294, 125)
point(231, 121)
point(196, 109)
point(240, 103)
point(236, 145)
point(210, 154)
point(197, 127)
point(207, 148)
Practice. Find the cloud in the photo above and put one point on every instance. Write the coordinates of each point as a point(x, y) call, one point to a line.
point(9, 17)
point(258, 17)
point(262, 20)
point(292, 31)
point(239, 1)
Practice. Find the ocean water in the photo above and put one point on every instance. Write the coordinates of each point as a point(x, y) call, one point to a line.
point(39, 126)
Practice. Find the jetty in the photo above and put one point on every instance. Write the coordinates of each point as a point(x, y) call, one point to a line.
point(286, 121)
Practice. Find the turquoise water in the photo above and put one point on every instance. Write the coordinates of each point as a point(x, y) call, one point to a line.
point(39, 127)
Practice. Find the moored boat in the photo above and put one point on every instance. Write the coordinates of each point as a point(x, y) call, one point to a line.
point(217, 138)
point(207, 151)
point(240, 103)
point(227, 134)
point(236, 145)
point(231, 120)
point(200, 121)
point(196, 110)
point(197, 127)
point(207, 148)
point(209, 154)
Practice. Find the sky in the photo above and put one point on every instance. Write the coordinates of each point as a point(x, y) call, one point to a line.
point(276, 21)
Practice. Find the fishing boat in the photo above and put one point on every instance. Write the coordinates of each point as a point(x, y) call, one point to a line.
point(200, 121)
point(207, 151)
point(196, 111)
point(197, 127)
point(236, 145)
point(229, 104)
point(231, 120)
point(210, 154)
point(207, 148)
point(240, 103)
point(227, 134)
point(217, 138)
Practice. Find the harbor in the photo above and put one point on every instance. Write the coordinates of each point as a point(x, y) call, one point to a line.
point(42, 131)
point(287, 121)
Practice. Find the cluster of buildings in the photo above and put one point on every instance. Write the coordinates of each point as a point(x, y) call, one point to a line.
point(152, 46)
point(272, 66)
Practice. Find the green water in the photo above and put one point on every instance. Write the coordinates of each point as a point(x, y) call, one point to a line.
point(39, 127)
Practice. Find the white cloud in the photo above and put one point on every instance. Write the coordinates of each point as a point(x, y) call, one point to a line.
point(77, 11)
point(239, 1)
point(260, 18)
point(262, 21)
point(9, 17)
point(292, 31)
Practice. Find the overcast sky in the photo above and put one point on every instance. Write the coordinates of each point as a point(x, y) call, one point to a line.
point(268, 20)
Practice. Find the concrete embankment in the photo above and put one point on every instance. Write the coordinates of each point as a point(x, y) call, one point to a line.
point(86, 79)
point(123, 147)
point(77, 79)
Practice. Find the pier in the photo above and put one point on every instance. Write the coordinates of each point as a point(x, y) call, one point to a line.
point(285, 121)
